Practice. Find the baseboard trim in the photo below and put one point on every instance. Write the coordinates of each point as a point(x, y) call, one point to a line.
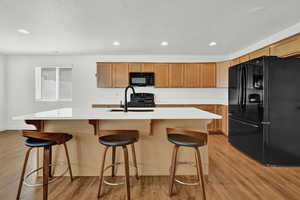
point(9, 131)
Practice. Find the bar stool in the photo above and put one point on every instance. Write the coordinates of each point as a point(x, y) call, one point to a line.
point(46, 141)
point(186, 138)
point(118, 138)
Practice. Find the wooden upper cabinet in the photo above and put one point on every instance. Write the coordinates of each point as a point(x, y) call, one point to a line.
point(244, 58)
point(104, 75)
point(235, 61)
point(147, 67)
point(222, 74)
point(261, 52)
point(120, 75)
point(135, 67)
point(176, 72)
point(192, 75)
point(287, 47)
point(208, 75)
point(161, 71)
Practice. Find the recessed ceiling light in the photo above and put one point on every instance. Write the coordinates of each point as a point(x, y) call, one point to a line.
point(116, 43)
point(23, 31)
point(164, 43)
point(212, 44)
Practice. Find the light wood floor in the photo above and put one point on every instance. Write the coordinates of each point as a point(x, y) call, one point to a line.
point(233, 176)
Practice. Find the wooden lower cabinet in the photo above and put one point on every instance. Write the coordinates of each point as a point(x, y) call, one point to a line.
point(218, 125)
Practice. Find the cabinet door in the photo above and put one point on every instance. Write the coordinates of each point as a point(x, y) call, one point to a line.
point(192, 75)
point(244, 58)
point(120, 75)
point(104, 75)
point(161, 71)
point(176, 75)
point(287, 47)
point(148, 67)
point(225, 119)
point(222, 74)
point(235, 61)
point(261, 52)
point(208, 75)
point(135, 67)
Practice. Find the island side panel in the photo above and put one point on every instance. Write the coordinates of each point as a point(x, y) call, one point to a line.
point(153, 151)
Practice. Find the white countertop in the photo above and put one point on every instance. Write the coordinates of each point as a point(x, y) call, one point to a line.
point(105, 113)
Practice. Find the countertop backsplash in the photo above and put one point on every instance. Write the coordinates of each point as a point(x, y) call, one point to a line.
point(170, 95)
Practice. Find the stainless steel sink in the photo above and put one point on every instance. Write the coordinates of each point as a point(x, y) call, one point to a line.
point(132, 110)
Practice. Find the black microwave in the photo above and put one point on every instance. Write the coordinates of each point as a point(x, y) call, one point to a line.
point(141, 78)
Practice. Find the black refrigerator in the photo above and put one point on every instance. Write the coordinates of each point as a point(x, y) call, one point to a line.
point(264, 110)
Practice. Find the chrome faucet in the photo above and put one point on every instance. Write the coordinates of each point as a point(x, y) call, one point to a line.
point(125, 102)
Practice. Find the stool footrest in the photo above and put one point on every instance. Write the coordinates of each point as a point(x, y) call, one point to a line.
point(185, 183)
point(27, 183)
point(116, 168)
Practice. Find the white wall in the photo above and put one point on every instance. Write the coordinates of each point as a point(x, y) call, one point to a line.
point(2, 93)
point(20, 85)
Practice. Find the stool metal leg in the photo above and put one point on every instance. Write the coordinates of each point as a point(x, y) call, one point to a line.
point(68, 160)
point(173, 169)
point(126, 171)
point(50, 162)
point(102, 170)
point(197, 166)
point(200, 171)
point(134, 161)
point(113, 161)
point(46, 172)
point(23, 173)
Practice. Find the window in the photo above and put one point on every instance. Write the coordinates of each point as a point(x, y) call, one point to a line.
point(53, 83)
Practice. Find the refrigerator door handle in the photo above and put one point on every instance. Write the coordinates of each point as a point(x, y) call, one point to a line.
point(241, 88)
point(246, 123)
point(245, 85)
point(266, 123)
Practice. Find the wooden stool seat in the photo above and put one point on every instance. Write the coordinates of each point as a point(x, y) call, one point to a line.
point(185, 140)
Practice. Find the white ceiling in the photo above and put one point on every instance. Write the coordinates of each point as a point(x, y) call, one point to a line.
point(91, 26)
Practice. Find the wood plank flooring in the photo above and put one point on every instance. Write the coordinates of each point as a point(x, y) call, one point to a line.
point(233, 176)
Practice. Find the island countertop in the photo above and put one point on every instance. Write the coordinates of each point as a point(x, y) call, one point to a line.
point(106, 114)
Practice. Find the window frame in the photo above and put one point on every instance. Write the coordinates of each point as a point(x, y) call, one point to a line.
point(38, 84)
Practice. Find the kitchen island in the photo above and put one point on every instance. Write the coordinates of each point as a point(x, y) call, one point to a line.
point(153, 150)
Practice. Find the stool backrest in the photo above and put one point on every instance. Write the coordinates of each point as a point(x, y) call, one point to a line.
point(103, 133)
point(195, 134)
point(59, 138)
